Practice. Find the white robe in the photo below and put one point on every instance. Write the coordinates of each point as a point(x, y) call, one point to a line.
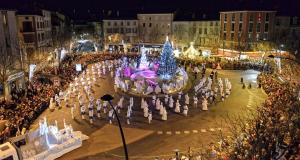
point(204, 105)
point(177, 107)
point(185, 110)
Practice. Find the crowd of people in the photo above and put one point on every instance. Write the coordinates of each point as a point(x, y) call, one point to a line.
point(274, 131)
point(20, 113)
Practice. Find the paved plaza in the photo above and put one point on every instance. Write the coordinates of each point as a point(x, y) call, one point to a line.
point(160, 138)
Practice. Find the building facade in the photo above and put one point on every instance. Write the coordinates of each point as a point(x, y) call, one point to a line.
point(61, 31)
point(242, 29)
point(35, 32)
point(12, 76)
point(202, 33)
point(153, 28)
point(119, 32)
point(287, 31)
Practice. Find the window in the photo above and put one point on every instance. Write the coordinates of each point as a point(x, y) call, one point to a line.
point(232, 26)
point(211, 23)
point(109, 30)
point(224, 36)
point(232, 36)
point(267, 17)
point(149, 18)
point(251, 18)
point(128, 23)
point(108, 23)
point(240, 27)
point(233, 17)
point(225, 17)
point(134, 23)
point(266, 27)
point(121, 23)
point(39, 37)
point(150, 24)
point(144, 25)
point(27, 27)
point(250, 27)
point(258, 27)
point(205, 30)
point(122, 30)
point(225, 24)
point(115, 30)
point(200, 30)
point(28, 38)
point(241, 17)
point(115, 24)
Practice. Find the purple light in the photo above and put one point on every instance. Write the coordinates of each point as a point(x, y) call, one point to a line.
point(145, 74)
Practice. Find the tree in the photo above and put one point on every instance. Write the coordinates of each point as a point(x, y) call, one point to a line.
point(156, 35)
point(167, 64)
point(264, 46)
point(180, 35)
point(6, 66)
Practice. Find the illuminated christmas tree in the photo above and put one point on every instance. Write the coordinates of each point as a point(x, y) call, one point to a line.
point(143, 62)
point(167, 63)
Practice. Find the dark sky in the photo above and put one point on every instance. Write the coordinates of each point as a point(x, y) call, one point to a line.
point(284, 7)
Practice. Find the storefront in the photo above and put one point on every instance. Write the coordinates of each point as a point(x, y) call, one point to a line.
point(15, 81)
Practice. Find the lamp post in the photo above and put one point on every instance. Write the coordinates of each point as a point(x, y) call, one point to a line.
point(109, 98)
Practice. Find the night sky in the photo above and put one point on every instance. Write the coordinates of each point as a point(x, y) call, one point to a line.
point(84, 7)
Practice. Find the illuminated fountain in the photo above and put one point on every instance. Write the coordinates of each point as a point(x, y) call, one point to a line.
point(155, 76)
point(191, 52)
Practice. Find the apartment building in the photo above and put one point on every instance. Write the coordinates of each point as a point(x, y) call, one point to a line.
point(153, 28)
point(244, 28)
point(35, 32)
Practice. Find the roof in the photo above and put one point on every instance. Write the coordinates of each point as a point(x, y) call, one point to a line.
point(246, 11)
point(195, 16)
point(119, 15)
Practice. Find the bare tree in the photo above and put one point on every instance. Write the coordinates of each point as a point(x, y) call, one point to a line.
point(7, 64)
point(156, 35)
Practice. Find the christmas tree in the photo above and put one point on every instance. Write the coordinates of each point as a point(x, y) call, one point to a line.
point(143, 62)
point(167, 63)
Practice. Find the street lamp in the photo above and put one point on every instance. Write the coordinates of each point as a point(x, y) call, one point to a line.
point(109, 98)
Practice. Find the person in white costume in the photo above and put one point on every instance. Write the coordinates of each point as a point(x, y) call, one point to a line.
point(204, 104)
point(128, 115)
point(131, 101)
point(142, 103)
point(149, 117)
point(195, 101)
point(185, 110)
point(177, 106)
point(157, 105)
point(110, 115)
point(157, 89)
point(187, 99)
point(161, 109)
point(146, 110)
point(171, 102)
point(164, 114)
point(98, 103)
point(82, 110)
point(105, 103)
